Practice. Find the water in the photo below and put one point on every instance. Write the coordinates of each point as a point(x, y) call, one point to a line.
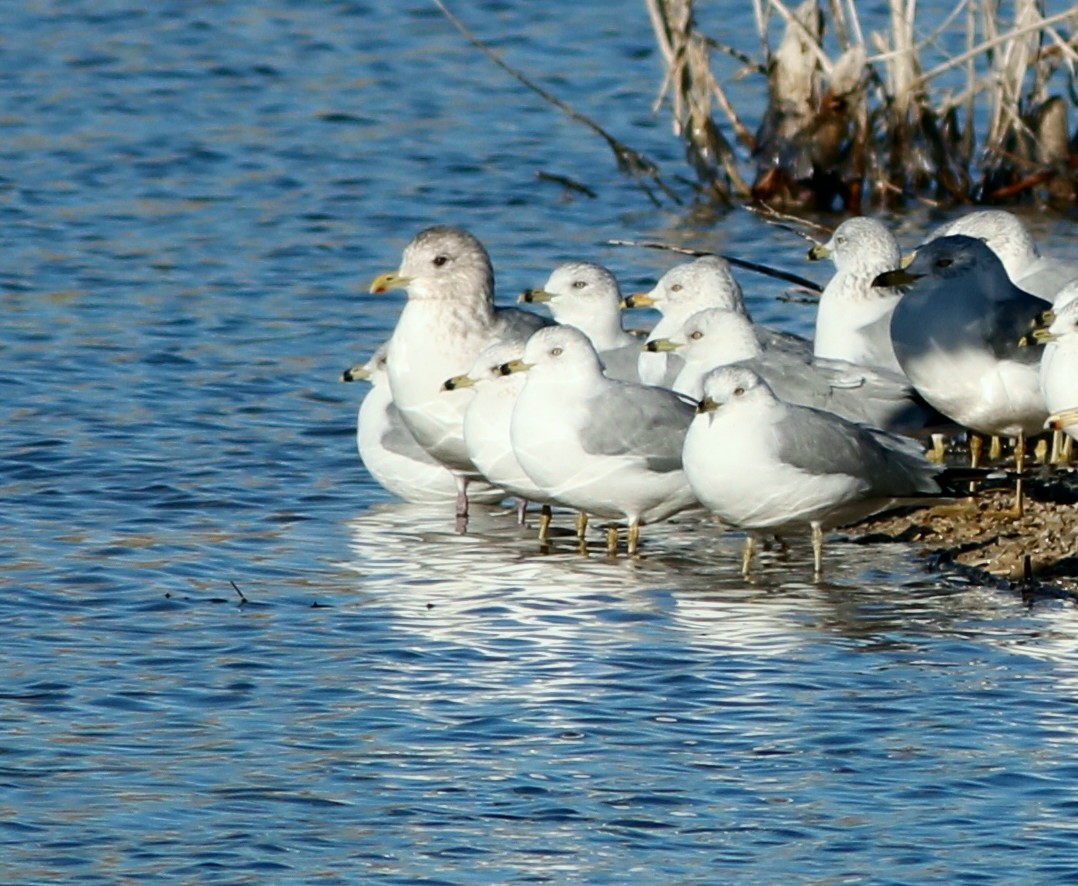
point(194, 198)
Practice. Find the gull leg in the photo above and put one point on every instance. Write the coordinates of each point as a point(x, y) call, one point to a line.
point(462, 505)
point(1019, 467)
point(976, 450)
point(746, 555)
point(522, 511)
point(633, 541)
point(1067, 452)
point(817, 551)
point(938, 452)
point(545, 516)
point(581, 524)
point(1040, 451)
point(995, 449)
point(1057, 448)
point(612, 541)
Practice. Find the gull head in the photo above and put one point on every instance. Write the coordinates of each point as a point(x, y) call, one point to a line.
point(374, 370)
point(1002, 231)
point(732, 387)
point(707, 282)
point(958, 259)
point(717, 336)
point(442, 263)
point(860, 245)
point(561, 350)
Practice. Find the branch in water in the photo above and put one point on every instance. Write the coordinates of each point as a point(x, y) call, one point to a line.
point(736, 262)
point(629, 161)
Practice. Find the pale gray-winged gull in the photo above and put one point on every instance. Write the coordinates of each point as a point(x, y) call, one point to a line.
point(391, 454)
point(1059, 369)
point(1007, 236)
point(716, 337)
point(586, 295)
point(606, 447)
point(853, 320)
point(448, 319)
point(769, 467)
point(956, 333)
point(685, 289)
point(486, 425)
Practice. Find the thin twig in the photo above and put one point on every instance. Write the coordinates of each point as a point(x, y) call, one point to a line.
point(736, 262)
point(629, 161)
point(236, 588)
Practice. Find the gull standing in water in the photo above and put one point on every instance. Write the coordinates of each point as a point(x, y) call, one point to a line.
point(1010, 240)
point(853, 320)
point(956, 334)
point(715, 337)
point(586, 295)
point(606, 447)
point(768, 467)
point(448, 319)
point(389, 451)
point(486, 426)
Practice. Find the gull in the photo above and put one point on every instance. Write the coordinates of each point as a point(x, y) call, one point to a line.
point(389, 451)
point(1059, 369)
point(768, 467)
point(956, 334)
point(486, 426)
point(606, 447)
point(853, 321)
point(1008, 238)
point(682, 291)
point(448, 319)
point(586, 295)
point(715, 337)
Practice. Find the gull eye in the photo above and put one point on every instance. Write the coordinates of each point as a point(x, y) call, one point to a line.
point(677, 287)
point(555, 352)
point(696, 336)
point(739, 391)
point(579, 284)
point(840, 239)
point(944, 262)
point(439, 260)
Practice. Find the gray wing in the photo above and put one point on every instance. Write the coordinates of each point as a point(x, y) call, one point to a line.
point(785, 342)
point(621, 363)
point(641, 420)
point(398, 439)
point(513, 324)
point(820, 443)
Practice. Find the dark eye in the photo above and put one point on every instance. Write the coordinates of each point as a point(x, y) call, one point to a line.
point(738, 391)
point(439, 260)
point(555, 352)
point(840, 239)
point(677, 287)
point(944, 262)
point(579, 284)
point(696, 336)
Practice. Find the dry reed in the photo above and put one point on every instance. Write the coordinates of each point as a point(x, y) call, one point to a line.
point(880, 118)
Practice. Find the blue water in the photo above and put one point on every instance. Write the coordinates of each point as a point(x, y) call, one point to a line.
point(194, 197)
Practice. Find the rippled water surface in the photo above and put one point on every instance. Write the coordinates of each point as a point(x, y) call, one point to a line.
point(194, 197)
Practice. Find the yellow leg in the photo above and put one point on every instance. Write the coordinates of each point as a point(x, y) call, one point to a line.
point(612, 541)
point(746, 555)
point(1019, 467)
point(581, 524)
point(633, 542)
point(976, 450)
point(995, 449)
point(938, 452)
point(1040, 452)
point(817, 551)
point(545, 517)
